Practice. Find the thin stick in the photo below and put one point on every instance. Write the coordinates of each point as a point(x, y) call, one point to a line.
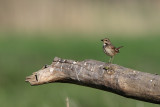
point(67, 102)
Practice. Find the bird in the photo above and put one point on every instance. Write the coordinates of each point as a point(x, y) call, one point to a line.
point(109, 49)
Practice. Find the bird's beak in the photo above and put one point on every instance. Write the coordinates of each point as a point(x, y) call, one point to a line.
point(101, 39)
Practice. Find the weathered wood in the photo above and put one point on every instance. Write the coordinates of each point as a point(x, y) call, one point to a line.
point(108, 77)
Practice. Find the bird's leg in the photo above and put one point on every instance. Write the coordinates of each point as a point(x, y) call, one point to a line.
point(109, 68)
point(110, 60)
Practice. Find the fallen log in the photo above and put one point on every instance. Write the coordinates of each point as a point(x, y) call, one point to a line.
point(104, 76)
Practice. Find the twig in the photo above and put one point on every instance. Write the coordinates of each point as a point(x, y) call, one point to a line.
point(67, 102)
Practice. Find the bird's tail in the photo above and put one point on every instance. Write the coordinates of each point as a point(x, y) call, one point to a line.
point(117, 49)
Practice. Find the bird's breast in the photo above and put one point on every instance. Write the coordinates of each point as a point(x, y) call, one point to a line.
point(109, 51)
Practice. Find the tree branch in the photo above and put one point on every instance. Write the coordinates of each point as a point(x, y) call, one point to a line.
point(108, 77)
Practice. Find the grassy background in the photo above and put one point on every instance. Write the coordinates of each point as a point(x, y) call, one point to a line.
point(22, 53)
point(33, 32)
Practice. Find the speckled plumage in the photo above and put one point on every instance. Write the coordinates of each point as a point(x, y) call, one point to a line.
point(109, 49)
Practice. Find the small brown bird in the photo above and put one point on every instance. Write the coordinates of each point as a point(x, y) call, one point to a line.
point(109, 49)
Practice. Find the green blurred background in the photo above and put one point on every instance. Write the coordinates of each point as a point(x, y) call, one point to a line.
point(32, 33)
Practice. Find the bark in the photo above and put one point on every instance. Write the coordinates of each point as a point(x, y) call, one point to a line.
point(108, 77)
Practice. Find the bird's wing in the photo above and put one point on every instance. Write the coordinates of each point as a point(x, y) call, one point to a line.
point(112, 46)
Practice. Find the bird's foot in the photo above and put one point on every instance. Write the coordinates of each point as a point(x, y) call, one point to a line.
point(109, 62)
